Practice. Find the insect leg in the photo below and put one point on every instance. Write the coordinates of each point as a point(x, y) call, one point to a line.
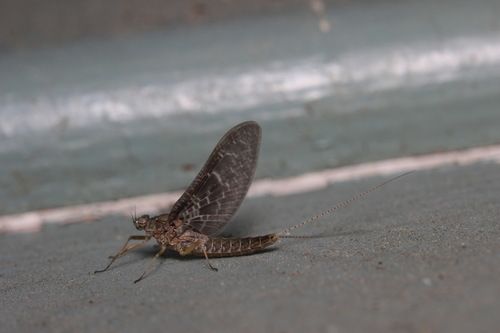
point(208, 260)
point(163, 248)
point(188, 250)
point(125, 249)
point(185, 251)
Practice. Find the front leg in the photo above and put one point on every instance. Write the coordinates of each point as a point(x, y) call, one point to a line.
point(126, 249)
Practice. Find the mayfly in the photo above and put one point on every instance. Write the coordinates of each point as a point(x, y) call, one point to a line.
point(210, 202)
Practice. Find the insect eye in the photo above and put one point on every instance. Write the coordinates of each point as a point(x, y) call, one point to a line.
point(141, 222)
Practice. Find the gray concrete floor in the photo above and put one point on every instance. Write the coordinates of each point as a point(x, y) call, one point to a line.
point(420, 255)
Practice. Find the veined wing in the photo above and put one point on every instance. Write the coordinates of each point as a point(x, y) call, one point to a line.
point(218, 190)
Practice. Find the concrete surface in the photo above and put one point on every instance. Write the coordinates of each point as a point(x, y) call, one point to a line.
point(420, 255)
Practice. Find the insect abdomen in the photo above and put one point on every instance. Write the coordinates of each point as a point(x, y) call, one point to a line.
point(228, 247)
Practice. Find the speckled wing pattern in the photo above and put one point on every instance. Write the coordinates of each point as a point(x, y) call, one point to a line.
point(218, 190)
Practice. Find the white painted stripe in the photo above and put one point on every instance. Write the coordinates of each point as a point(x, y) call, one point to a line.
point(34, 220)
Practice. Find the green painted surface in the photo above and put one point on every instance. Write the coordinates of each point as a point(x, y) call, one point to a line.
point(106, 119)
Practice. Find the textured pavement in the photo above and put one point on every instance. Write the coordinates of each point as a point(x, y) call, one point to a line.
point(420, 255)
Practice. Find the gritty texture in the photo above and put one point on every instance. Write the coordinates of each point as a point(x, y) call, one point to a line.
point(420, 255)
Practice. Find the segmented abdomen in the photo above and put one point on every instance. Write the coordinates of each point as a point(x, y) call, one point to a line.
point(228, 247)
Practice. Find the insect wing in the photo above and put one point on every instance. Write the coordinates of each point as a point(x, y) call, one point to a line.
point(218, 190)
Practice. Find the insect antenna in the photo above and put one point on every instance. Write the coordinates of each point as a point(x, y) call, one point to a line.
point(328, 211)
point(134, 216)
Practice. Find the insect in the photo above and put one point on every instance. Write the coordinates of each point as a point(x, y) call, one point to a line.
point(210, 202)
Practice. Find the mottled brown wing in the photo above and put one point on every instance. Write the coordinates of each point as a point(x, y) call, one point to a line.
point(218, 190)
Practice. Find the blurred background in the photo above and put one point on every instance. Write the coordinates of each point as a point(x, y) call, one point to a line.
point(102, 100)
